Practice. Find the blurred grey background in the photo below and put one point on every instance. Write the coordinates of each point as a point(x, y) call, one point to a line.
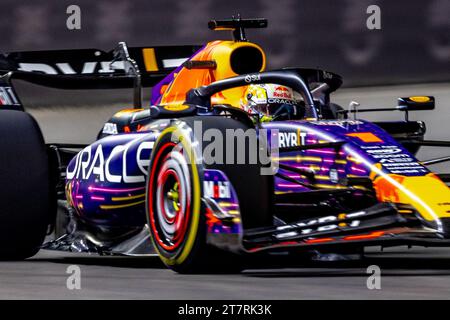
point(413, 44)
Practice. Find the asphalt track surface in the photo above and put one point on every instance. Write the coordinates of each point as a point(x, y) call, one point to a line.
point(413, 274)
point(416, 273)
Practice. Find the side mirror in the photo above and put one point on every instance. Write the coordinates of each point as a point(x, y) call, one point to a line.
point(416, 103)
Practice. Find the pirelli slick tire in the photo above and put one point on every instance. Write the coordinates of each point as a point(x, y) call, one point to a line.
point(25, 204)
point(175, 211)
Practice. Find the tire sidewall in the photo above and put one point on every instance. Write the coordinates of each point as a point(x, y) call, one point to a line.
point(195, 229)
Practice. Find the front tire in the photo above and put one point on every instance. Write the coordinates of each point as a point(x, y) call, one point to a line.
point(175, 221)
point(175, 212)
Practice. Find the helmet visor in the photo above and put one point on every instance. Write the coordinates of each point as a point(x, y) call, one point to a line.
point(275, 109)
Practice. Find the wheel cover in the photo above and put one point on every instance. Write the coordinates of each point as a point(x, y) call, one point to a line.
point(170, 199)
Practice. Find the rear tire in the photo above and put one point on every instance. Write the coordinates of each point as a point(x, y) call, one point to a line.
point(24, 186)
point(184, 249)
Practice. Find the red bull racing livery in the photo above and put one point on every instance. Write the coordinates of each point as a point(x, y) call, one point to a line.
point(228, 161)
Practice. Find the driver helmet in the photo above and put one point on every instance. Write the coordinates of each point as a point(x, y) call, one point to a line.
point(270, 101)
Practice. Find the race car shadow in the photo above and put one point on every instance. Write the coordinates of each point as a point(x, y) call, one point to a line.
point(389, 266)
point(152, 262)
point(402, 263)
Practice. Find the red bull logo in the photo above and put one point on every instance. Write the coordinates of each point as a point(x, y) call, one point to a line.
point(282, 93)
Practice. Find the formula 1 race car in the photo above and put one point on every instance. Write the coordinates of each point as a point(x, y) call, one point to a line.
point(199, 180)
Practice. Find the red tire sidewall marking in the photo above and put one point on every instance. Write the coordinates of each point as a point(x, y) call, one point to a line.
point(179, 224)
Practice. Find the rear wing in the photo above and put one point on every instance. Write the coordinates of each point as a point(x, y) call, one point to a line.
point(122, 67)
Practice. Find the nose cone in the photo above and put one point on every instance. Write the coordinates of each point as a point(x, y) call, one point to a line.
point(427, 194)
